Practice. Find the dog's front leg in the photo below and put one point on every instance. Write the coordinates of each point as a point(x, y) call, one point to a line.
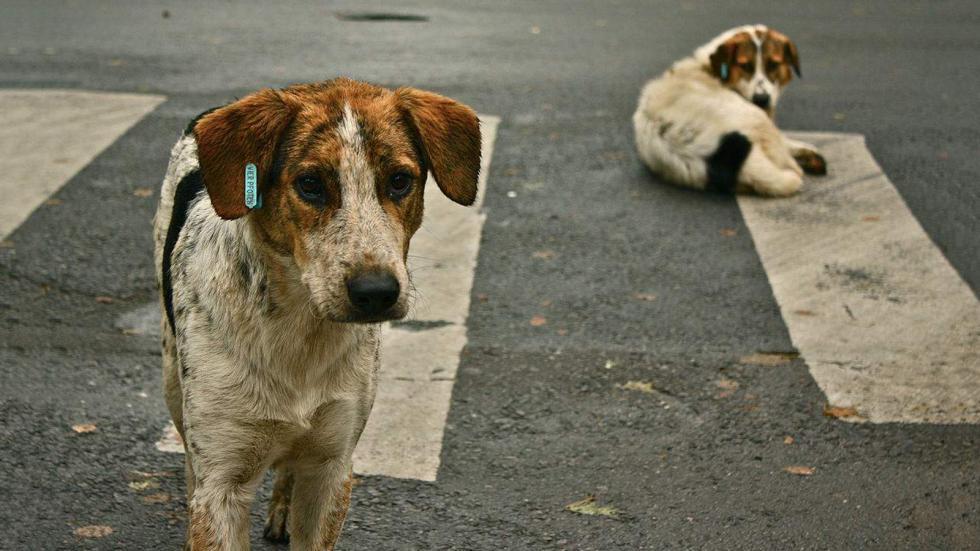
point(321, 497)
point(807, 156)
point(228, 459)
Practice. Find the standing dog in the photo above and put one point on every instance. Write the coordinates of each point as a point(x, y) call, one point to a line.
point(281, 239)
point(707, 122)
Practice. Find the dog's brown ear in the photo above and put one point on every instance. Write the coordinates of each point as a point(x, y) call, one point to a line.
point(785, 50)
point(233, 136)
point(723, 59)
point(792, 56)
point(450, 137)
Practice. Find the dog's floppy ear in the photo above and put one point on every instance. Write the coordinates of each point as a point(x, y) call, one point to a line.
point(449, 133)
point(231, 137)
point(723, 59)
point(792, 56)
point(786, 51)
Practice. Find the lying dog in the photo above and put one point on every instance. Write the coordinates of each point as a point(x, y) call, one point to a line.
point(707, 121)
point(281, 239)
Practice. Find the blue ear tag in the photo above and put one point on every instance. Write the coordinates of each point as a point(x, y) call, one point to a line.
point(724, 71)
point(252, 198)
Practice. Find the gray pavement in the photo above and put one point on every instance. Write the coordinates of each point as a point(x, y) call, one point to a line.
point(537, 420)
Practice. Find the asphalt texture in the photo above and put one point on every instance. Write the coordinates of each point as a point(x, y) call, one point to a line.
point(538, 418)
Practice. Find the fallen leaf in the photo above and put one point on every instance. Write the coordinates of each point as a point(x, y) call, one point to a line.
point(610, 364)
point(588, 506)
point(728, 232)
point(84, 428)
point(545, 303)
point(93, 531)
point(727, 384)
point(788, 440)
point(839, 116)
point(562, 332)
point(54, 202)
point(140, 486)
point(151, 474)
point(870, 218)
point(543, 254)
point(104, 300)
point(649, 297)
point(170, 441)
point(804, 312)
point(535, 30)
point(131, 331)
point(538, 321)
point(768, 358)
point(614, 155)
point(838, 412)
point(482, 297)
point(143, 192)
point(642, 386)
point(800, 470)
point(156, 498)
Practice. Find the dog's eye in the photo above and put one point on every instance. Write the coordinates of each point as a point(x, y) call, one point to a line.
point(400, 184)
point(772, 66)
point(311, 189)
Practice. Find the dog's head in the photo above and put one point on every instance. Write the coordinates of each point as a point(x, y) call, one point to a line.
point(341, 167)
point(755, 61)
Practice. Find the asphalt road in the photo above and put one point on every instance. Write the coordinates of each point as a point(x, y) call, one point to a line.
point(537, 420)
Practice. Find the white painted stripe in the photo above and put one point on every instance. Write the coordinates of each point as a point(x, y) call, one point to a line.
point(403, 437)
point(47, 136)
point(884, 323)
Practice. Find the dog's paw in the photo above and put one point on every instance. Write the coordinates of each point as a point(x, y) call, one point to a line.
point(275, 526)
point(811, 162)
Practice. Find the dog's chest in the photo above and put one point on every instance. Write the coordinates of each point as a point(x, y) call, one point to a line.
point(316, 372)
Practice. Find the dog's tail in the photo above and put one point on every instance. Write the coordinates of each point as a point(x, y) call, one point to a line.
point(725, 163)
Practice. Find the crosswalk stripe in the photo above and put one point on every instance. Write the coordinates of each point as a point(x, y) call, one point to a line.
point(884, 322)
point(403, 437)
point(47, 136)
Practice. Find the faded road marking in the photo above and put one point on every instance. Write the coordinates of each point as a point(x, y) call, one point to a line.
point(884, 322)
point(47, 136)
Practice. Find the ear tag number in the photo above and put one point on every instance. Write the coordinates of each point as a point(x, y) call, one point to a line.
point(724, 71)
point(252, 198)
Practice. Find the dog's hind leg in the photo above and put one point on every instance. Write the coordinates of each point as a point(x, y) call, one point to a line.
point(761, 175)
point(665, 149)
point(277, 520)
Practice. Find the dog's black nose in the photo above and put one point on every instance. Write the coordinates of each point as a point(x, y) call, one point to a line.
point(761, 100)
point(372, 293)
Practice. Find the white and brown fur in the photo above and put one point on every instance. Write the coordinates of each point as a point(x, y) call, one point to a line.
point(269, 359)
point(707, 122)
